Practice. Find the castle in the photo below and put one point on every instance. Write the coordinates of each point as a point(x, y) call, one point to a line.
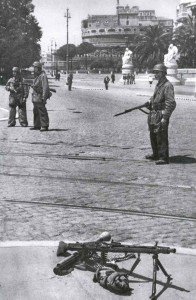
point(119, 30)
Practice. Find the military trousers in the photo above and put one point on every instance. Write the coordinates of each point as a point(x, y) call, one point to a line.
point(159, 143)
point(41, 119)
point(22, 112)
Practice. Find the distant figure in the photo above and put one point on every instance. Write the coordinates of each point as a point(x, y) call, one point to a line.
point(124, 79)
point(69, 81)
point(129, 79)
point(57, 77)
point(172, 56)
point(113, 77)
point(150, 79)
point(127, 58)
point(106, 81)
point(132, 78)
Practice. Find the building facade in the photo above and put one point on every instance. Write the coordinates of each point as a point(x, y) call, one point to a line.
point(119, 29)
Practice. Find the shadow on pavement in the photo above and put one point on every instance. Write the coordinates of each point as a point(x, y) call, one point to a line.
point(58, 129)
point(165, 285)
point(182, 159)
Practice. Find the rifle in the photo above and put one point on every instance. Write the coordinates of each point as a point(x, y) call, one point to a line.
point(86, 253)
point(147, 105)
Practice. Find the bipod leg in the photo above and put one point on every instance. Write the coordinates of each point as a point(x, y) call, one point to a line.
point(154, 283)
point(156, 266)
point(137, 261)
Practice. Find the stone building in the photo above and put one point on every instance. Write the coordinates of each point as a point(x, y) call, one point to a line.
point(119, 29)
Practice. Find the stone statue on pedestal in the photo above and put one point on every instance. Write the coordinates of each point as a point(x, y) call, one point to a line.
point(127, 58)
point(170, 59)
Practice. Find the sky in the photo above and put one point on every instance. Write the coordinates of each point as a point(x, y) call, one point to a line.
point(51, 16)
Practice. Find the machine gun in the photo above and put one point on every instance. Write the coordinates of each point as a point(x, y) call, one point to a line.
point(87, 254)
point(146, 105)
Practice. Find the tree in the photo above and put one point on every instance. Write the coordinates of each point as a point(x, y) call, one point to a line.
point(62, 51)
point(185, 39)
point(85, 48)
point(19, 34)
point(151, 45)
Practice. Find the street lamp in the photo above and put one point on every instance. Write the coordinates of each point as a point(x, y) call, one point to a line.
point(192, 6)
point(67, 15)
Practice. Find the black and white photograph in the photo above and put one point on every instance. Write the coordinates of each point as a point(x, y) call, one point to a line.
point(97, 149)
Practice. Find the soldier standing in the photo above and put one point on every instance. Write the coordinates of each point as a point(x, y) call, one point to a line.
point(17, 98)
point(41, 93)
point(69, 81)
point(106, 81)
point(113, 77)
point(161, 106)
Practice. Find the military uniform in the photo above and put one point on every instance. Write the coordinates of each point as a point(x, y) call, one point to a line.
point(106, 81)
point(17, 98)
point(162, 104)
point(41, 93)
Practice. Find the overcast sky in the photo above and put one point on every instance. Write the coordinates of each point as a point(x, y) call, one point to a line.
point(50, 15)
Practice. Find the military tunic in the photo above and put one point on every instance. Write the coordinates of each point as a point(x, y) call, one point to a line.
point(41, 93)
point(162, 104)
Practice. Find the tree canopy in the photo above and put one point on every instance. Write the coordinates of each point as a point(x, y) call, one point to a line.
point(151, 45)
point(19, 34)
point(185, 39)
point(62, 51)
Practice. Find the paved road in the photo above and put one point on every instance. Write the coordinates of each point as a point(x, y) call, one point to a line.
point(88, 173)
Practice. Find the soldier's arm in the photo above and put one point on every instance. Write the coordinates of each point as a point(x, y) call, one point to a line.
point(7, 87)
point(170, 103)
point(45, 87)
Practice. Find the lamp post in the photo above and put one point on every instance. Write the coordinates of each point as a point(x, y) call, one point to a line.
point(192, 6)
point(67, 15)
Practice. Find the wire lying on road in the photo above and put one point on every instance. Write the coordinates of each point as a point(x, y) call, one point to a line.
point(107, 209)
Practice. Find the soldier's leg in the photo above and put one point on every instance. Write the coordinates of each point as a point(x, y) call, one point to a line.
point(22, 111)
point(154, 145)
point(163, 145)
point(36, 116)
point(12, 112)
point(43, 114)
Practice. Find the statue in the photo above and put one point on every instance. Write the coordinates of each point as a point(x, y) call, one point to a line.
point(171, 57)
point(127, 58)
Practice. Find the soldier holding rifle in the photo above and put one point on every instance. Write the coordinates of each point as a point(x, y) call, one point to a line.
point(161, 106)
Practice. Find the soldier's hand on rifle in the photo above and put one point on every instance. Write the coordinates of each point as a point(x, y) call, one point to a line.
point(163, 123)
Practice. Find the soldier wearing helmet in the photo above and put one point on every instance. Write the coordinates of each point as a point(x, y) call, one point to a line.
point(41, 93)
point(17, 98)
point(161, 106)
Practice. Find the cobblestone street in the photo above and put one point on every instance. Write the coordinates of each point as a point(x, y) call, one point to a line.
point(88, 173)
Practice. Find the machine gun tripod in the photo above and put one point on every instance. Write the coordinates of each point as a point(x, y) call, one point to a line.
point(85, 257)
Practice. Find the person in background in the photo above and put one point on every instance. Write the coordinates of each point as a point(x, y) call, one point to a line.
point(106, 81)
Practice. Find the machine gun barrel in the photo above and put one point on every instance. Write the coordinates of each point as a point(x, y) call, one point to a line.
point(133, 108)
point(116, 248)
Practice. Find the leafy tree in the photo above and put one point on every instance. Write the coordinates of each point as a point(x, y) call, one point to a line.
point(85, 48)
point(151, 45)
point(62, 51)
point(19, 34)
point(185, 39)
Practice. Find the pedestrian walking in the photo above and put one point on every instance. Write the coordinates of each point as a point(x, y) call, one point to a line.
point(106, 81)
point(113, 77)
point(129, 79)
point(41, 93)
point(17, 98)
point(161, 106)
point(150, 79)
point(69, 81)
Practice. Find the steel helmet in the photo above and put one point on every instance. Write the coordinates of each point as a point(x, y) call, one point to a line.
point(37, 64)
point(15, 69)
point(160, 68)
